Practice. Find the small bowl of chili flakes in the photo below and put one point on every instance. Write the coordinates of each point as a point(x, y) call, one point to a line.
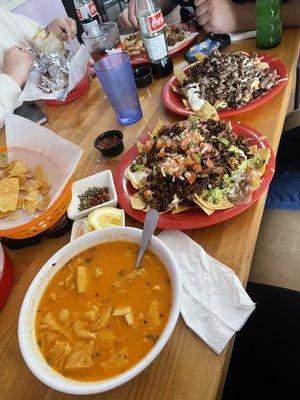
point(110, 143)
point(92, 192)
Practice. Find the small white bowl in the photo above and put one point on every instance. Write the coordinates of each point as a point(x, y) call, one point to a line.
point(101, 179)
point(26, 328)
point(76, 227)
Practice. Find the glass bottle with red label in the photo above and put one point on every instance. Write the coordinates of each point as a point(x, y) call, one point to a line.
point(88, 14)
point(153, 27)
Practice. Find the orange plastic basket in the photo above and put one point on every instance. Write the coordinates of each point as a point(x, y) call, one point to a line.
point(45, 220)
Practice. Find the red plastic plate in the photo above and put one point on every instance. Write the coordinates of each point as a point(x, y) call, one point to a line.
point(193, 218)
point(173, 101)
point(143, 57)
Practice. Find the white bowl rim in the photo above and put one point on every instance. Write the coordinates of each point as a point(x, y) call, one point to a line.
point(84, 388)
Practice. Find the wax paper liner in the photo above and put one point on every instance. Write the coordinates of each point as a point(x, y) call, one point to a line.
point(38, 145)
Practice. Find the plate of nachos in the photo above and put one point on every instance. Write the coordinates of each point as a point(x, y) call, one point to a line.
point(196, 172)
point(231, 82)
point(178, 36)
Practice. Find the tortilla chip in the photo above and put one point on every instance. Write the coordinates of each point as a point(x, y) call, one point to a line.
point(33, 185)
point(200, 57)
point(13, 216)
point(21, 201)
point(174, 88)
point(253, 149)
point(207, 211)
point(159, 125)
point(255, 183)
point(220, 105)
point(179, 209)
point(41, 177)
point(139, 146)
point(207, 111)
point(43, 204)
point(4, 214)
point(9, 193)
point(2, 175)
point(135, 178)
point(22, 180)
point(264, 154)
point(262, 65)
point(137, 202)
point(19, 167)
point(180, 76)
point(32, 196)
point(186, 104)
point(30, 206)
point(223, 204)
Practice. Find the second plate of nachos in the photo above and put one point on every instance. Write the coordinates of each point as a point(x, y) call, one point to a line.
point(195, 173)
point(231, 82)
point(179, 36)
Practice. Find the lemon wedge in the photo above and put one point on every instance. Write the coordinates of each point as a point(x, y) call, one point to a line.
point(106, 217)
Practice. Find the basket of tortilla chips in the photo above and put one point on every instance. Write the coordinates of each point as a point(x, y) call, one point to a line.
point(36, 171)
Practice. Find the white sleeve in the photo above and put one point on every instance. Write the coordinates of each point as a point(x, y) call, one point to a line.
point(26, 26)
point(9, 93)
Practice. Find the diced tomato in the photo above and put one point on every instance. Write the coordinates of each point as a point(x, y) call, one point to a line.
point(197, 167)
point(190, 177)
point(147, 195)
point(160, 143)
point(148, 145)
point(168, 143)
point(161, 152)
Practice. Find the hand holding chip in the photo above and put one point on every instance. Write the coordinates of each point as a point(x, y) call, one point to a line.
point(65, 26)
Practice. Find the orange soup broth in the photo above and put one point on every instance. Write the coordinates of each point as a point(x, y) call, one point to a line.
point(116, 260)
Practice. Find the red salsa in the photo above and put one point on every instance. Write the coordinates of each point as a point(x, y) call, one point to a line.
point(109, 142)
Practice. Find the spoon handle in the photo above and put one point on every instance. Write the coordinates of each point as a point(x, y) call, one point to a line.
point(149, 228)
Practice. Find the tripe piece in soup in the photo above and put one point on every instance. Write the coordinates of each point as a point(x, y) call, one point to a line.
point(99, 315)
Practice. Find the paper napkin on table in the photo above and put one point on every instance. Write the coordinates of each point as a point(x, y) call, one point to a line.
point(237, 36)
point(214, 304)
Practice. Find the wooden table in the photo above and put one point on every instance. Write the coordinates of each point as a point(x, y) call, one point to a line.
point(187, 369)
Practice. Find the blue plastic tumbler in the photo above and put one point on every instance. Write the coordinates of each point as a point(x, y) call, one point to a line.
point(115, 74)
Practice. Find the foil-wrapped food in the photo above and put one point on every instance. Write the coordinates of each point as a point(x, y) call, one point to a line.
point(52, 60)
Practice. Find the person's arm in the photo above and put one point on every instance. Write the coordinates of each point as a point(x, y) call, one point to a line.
point(9, 93)
point(127, 17)
point(290, 14)
point(225, 16)
point(26, 26)
point(17, 62)
point(167, 6)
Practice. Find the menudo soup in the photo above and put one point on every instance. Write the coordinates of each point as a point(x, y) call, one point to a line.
point(100, 315)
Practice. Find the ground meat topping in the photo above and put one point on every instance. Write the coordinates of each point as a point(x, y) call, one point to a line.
point(188, 158)
point(229, 80)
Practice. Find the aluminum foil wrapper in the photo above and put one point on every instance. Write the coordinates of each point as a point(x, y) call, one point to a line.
point(54, 69)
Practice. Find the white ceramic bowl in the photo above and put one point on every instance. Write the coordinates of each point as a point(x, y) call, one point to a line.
point(26, 330)
point(101, 179)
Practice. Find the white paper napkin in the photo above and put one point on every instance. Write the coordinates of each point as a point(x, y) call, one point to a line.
point(214, 305)
point(237, 36)
point(78, 68)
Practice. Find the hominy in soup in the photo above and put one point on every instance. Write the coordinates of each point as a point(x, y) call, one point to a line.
point(99, 315)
